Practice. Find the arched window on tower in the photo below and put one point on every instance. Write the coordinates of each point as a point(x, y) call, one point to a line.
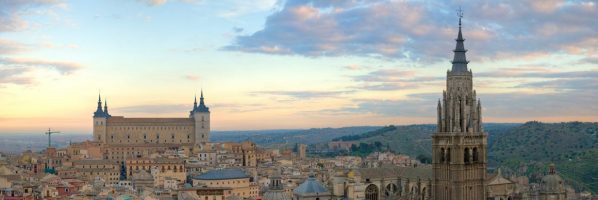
point(442, 153)
point(475, 155)
point(466, 155)
point(448, 155)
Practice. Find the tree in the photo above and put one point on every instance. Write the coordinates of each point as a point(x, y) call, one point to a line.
point(426, 159)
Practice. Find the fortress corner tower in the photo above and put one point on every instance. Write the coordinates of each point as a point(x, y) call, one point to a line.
point(201, 116)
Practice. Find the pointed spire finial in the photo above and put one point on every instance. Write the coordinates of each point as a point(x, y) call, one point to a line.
point(460, 15)
point(99, 112)
point(459, 60)
point(201, 97)
point(106, 107)
point(194, 102)
point(202, 106)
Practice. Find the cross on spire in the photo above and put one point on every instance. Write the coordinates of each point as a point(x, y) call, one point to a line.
point(460, 15)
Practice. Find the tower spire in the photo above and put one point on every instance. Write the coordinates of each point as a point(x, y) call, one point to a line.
point(201, 97)
point(106, 107)
point(202, 105)
point(99, 112)
point(459, 60)
point(195, 102)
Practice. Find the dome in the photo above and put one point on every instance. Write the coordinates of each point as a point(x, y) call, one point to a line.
point(276, 195)
point(310, 186)
point(552, 182)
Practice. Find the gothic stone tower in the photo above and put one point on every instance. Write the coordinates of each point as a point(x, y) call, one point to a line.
point(459, 146)
point(201, 115)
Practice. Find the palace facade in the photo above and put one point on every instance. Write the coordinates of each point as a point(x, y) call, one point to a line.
point(123, 137)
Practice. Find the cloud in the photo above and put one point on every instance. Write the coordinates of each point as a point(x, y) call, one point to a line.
point(155, 108)
point(191, 77)
point(241, 108)
point(394, 79)
point(242, 7)
point(12, 11)
point(416, 105)
point(564, 104)
point(11, 47)
point(422, 30)
point(542, 78)
point(15, 75)
point(237, 29)
point(536, 73)
point(586, 84)
point(20, 71)
point(354, 67)
point(495, 105)
point(64, 68)
point(154, 2)
point(162, 2)
point(303, 94)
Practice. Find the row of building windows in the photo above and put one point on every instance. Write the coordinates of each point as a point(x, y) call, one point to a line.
point(151, 128)
point(172, 135)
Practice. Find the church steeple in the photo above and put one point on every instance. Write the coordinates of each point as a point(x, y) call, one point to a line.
point(459, 60)
point(459, 158)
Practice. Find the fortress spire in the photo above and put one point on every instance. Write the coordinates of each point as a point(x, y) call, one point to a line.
point(106, 107)
point(195, 102)
point(459, 60)
point(201, 98)
point(99, 112)
point(202, 105)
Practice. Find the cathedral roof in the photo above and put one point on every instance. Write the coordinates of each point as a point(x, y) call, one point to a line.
point(276, 195)
point(395, 171)
point(222, 174)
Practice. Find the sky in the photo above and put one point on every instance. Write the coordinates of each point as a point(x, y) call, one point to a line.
point(278, 64)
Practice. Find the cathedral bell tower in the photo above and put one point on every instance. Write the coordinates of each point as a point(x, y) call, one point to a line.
point(459, 155)
point(201, 115)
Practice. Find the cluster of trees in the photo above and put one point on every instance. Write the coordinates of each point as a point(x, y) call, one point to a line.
point(364, 149)
point(367, 134)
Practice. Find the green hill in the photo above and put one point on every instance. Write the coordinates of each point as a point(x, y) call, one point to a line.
point(524, 149)
point(414, 140)
point(529, 148)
